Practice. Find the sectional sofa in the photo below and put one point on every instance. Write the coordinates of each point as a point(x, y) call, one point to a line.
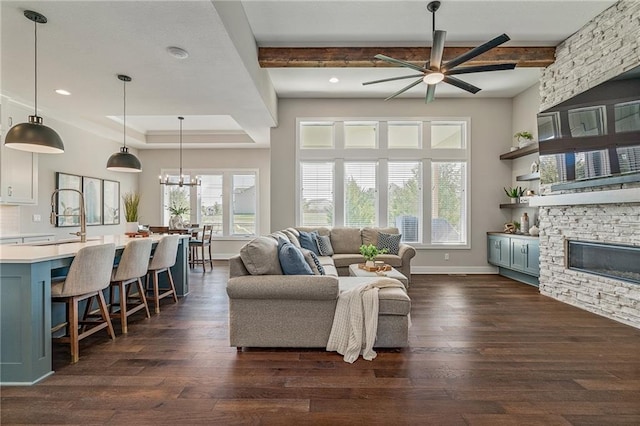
point(269, 309)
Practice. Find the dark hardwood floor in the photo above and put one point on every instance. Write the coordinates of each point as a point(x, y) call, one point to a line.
point(485, 350)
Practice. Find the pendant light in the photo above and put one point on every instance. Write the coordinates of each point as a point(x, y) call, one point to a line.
point(34, 136)
point(124, 161)
point(181, 181)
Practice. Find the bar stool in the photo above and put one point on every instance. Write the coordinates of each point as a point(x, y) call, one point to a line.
point(164, 257)
point(198, 245)
point(88, 275)
point(133, 265)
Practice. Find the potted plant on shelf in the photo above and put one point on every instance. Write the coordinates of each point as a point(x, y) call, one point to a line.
point(131, 202)
point(370, 252)
point(524, 138)
point(514, 193)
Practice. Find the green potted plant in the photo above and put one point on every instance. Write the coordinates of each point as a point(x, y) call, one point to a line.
point(131, 202)
point(524, 138)
point(370, 252)
point(178, 207)
point(514, 193)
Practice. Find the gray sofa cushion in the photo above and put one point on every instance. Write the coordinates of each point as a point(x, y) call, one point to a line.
point(346, 240)
point(260, 256)
point(321, 230)
point(393, 300)
point(324, 245)
point(313, 262)
point(370, 235)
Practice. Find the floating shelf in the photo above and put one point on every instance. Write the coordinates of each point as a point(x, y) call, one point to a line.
point(514, 206)
point(530, 176)
point(520, 152)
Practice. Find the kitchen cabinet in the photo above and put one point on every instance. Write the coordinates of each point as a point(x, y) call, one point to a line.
point(27, 238)
point(18, 169)
point(516, 256)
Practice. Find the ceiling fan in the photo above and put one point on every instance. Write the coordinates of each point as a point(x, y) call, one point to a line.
point(436, 71)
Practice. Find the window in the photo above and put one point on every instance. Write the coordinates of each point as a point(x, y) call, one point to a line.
point(405, 198)
point(448, 202)
point(360, 194)
point(243, 204)
point(404, 134)
point(227, 200)
point(412, 176)
point(360, 135)
point(317, 206)
point(316, 135)
point(447, 135)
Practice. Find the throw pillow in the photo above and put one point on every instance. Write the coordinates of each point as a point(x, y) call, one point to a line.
point(308, 240)
point(260, 256)
point(391, 242)
point(291, 259)
point(313, 262)
point(324, 246)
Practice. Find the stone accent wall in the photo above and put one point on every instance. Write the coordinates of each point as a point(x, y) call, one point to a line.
point(613, 223)
point(605, 47)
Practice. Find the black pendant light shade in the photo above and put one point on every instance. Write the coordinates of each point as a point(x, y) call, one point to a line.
point(34, 136)
point(124, 161)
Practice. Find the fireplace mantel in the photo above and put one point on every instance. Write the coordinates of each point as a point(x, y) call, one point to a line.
point(615, 196)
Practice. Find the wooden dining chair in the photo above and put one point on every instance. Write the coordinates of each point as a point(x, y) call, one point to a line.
point(199, 246)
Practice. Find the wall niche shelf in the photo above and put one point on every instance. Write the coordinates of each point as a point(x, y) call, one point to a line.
point(528, 177)
point(520, 152)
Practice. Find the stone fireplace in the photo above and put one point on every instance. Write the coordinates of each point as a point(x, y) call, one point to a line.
point(604, 48)
point(617, 261)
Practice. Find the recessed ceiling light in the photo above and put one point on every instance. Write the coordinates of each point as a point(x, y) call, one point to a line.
point(334, 80)
point(63, 92)
point(177, 52)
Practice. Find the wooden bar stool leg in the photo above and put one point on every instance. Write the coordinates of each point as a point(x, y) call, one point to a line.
point(105, 314)
point(173, 287)
point(72, 312)
point(156, 291)
point(123, 307)
point(143, 299)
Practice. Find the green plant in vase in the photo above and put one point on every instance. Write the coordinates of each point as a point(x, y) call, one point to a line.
point(131, 201)
point(514, 193)
point(524, 138)
point(370, 252)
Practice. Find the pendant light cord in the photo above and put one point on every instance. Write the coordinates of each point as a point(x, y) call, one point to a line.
point(124, 118)
point(180, 148)
point(35, 50)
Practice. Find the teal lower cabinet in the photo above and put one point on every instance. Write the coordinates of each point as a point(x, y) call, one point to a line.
point(516, 256)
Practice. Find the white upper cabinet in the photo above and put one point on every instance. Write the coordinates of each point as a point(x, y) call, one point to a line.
point(18, 169)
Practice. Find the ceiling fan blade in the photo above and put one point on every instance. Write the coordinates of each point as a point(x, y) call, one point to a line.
point(404, 89)
point(401, 63)
point(435, 61)
point(481, 68)
point(477, 51)
point(392, 79)
point(461, 84)
point(431, 93)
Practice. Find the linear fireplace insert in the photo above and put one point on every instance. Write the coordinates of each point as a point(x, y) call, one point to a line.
point(617, 261)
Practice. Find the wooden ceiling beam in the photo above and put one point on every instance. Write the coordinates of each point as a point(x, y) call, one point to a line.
point(363, 57)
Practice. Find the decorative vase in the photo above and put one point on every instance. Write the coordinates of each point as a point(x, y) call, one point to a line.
point(514, 200)
point(176, 222)
point(370, 264)
point(130, 227)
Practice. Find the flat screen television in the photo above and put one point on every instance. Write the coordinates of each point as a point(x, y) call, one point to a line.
point(593, 135)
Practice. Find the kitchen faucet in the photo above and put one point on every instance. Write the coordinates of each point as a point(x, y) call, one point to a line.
point(83, 218)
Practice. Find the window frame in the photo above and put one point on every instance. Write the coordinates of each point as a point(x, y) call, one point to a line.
point(338, 155)
point(227, 197)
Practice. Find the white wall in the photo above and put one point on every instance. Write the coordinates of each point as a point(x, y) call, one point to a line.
point(491, 135)
point(85, 154)
point(525, 107)
point(201, 160)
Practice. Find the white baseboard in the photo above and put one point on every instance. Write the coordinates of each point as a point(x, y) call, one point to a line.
point(444, 270)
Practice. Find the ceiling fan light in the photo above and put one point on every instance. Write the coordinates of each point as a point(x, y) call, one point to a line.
point(433, 78)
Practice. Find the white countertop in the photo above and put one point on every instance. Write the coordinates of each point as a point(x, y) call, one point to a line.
point(28, 235)
point(42, 251)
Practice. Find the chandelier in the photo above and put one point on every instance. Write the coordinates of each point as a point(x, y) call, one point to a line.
point(181, 180)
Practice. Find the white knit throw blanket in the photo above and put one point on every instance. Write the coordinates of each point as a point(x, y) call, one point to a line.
point(355, 322)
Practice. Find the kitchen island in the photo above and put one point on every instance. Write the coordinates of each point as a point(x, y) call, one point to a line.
point(25, 301)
